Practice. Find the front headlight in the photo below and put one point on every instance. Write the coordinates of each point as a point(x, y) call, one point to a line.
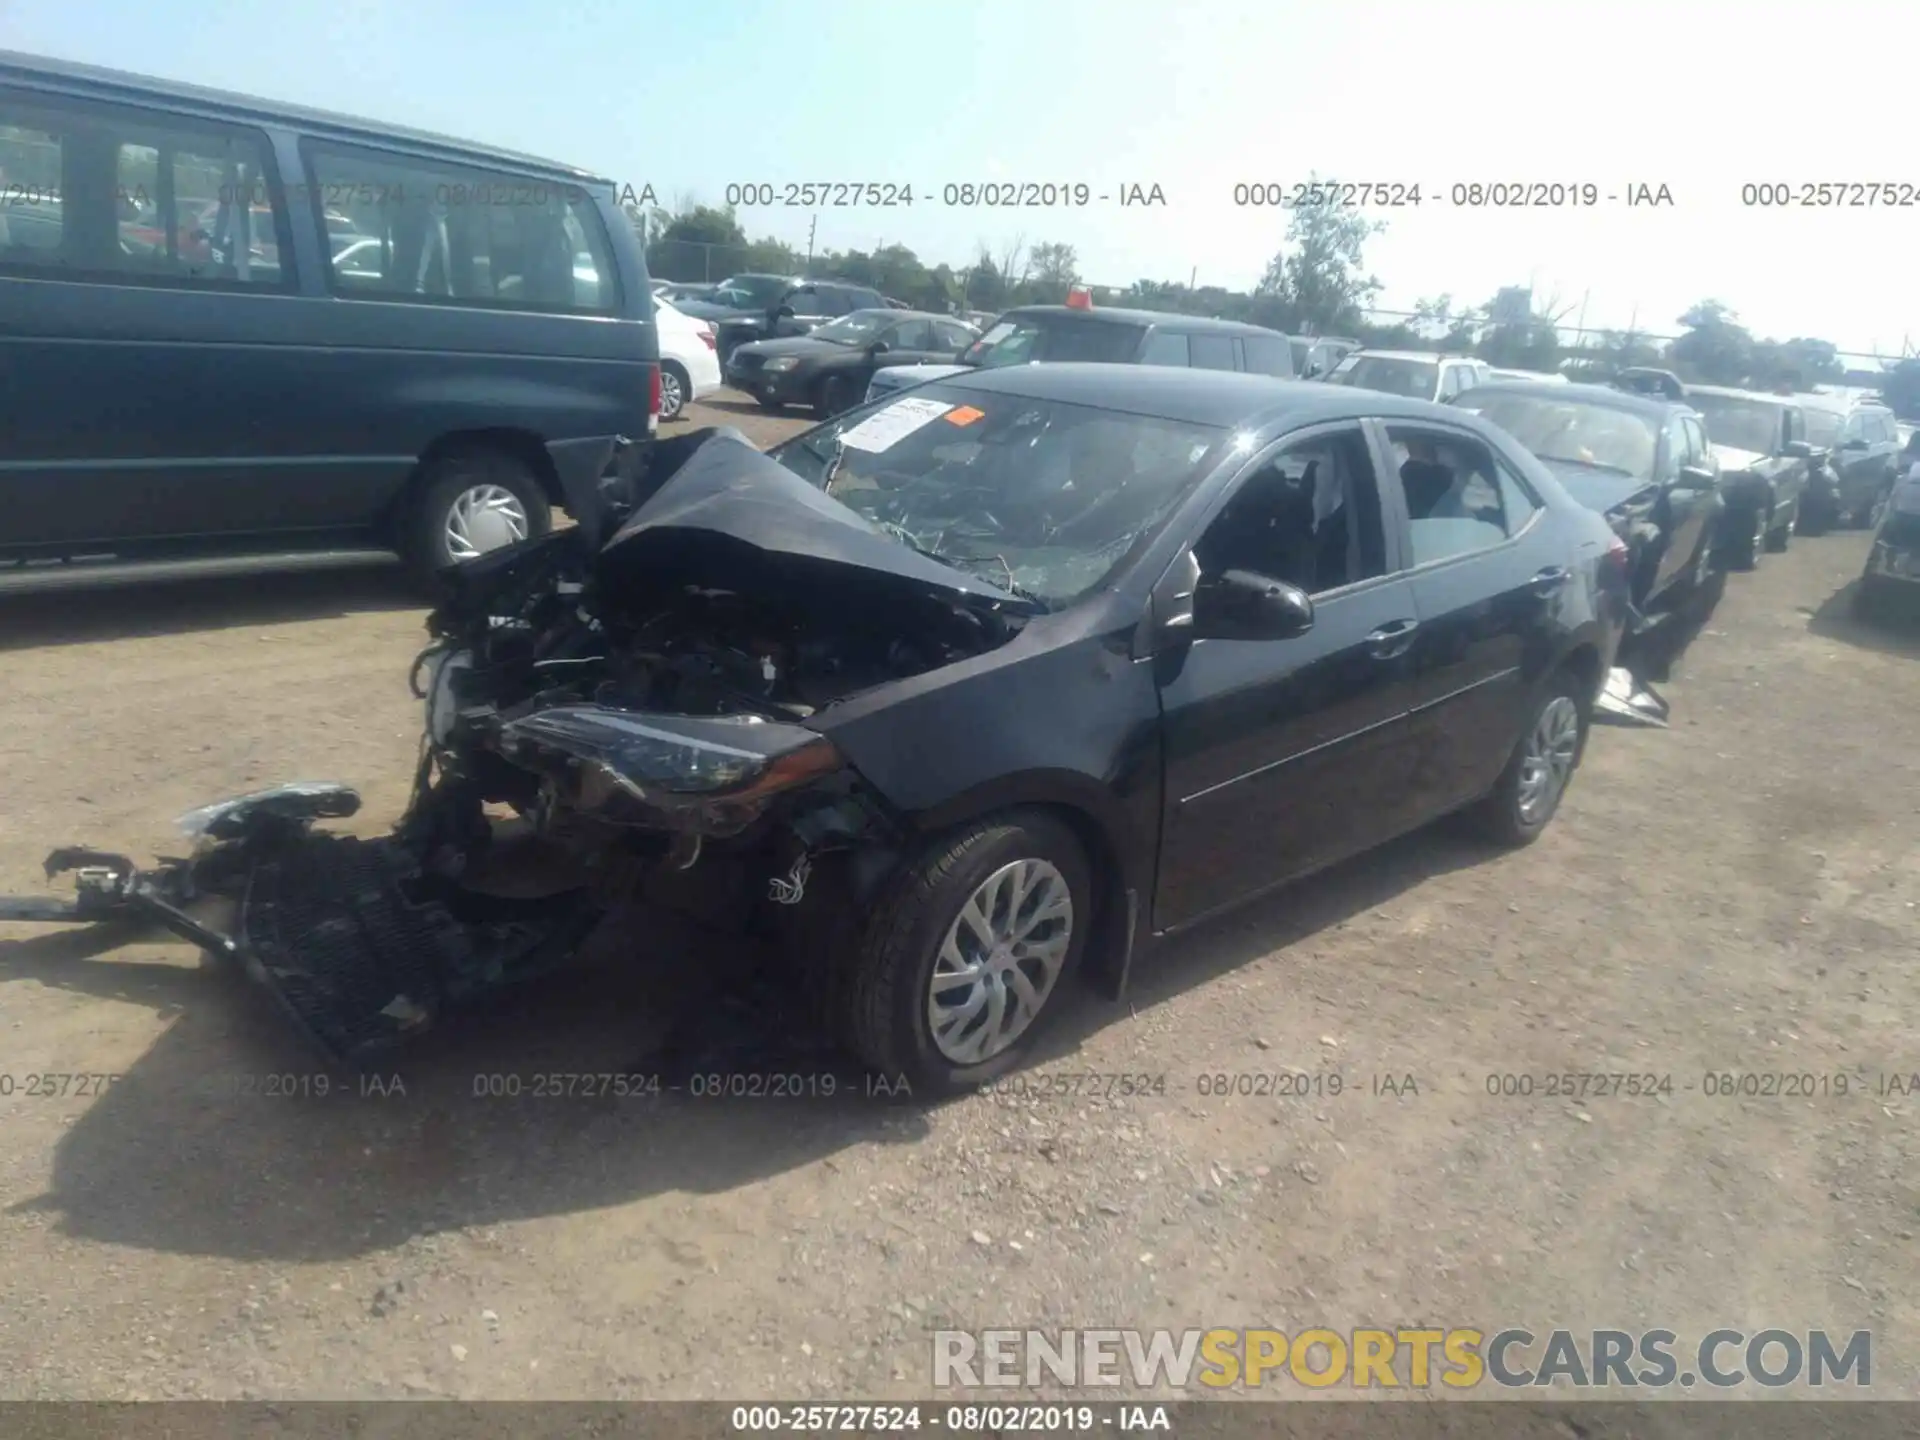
point(781, 362)
point(710, 775)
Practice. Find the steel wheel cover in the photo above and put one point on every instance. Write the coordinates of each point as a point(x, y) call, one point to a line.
point(999, 961)
point(483, 518)
point(1546, 762)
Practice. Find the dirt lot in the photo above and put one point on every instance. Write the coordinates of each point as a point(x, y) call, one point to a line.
point(1734, 894)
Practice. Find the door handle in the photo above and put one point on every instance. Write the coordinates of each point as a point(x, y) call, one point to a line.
point(1551, 579)
point(1392, 639)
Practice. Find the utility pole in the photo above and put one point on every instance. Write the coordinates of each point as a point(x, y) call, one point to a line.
point(1193, 277)
point(812, 226)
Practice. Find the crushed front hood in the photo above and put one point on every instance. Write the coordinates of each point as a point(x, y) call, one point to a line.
point(730, 518)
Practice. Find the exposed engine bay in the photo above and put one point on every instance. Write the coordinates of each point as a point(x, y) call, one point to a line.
point(594, 712)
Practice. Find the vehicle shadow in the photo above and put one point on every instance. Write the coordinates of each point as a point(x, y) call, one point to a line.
point(38, 620)
point(516, 1112)
point(1657, 654)
point(1896, 634)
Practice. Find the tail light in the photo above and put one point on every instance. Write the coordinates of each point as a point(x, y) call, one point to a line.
point(1620, 558)
point(653, 392)
point(705, 332)
point(1079, 297)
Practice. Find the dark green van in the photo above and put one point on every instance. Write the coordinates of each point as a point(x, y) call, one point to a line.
point(237, 335)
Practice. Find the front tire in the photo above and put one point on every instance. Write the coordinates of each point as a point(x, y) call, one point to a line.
point(836, 395)
point(1781, 535)
point(1528, 793)
point(473, 501)
point(1753, 543)
point(964, 956)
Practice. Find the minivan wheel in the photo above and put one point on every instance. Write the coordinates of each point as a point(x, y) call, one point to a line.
point(675, 387)
point(963, 958)
point(472, 502)
point(1781, 535)
point(1528, 793)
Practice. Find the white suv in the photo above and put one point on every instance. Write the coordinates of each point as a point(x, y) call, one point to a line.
point(1416, 374)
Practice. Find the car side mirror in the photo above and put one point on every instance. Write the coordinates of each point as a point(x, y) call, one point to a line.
point(1798, 450)
point(1696, 475)
point(1854, 444)
point(1246, 605)
point(783, 312)
point(878, 347)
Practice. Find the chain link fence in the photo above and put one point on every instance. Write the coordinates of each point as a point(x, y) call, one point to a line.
point(694, 262)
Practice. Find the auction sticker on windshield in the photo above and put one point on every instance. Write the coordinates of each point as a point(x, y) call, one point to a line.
point(965, 415)
point(890, 426)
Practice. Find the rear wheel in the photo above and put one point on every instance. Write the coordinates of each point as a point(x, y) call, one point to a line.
point(473, 501)
point(676, 389)
point(1528, 793)
point(965, 953)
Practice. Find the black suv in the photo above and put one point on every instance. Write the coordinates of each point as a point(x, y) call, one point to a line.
point(766, 307)
point(1858, 462)
point(1765, 459)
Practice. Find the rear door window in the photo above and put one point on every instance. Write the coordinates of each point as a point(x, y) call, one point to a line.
point(1166, 347)
point(1269, 355)
point(402, 228)
point(1210, 352)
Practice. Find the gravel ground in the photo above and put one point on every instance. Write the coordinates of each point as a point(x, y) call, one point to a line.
point(1734, 894)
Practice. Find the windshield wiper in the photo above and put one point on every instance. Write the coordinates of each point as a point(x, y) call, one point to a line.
point(1590, 465)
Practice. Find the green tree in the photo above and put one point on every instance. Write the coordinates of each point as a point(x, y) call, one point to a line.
point(1901, 389)
point(1319, 278)
point(1716, 349)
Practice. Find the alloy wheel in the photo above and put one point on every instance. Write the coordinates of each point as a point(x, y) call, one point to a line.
point(999, 961)
point(1546, 764)
point(483, 518)
point(672, 396)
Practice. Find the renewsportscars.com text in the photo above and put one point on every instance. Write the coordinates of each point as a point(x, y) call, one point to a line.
point(1457, 1358)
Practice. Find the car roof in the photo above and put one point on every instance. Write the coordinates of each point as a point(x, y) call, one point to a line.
point(128, 87)
point(896, 314)
point(1433, 355)
point(1653, 407)
point(1735, 392)
point(1227, 398)
point(1840, 404)
point(1167, 319)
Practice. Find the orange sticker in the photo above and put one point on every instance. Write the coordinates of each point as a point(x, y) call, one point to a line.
point(964, 415)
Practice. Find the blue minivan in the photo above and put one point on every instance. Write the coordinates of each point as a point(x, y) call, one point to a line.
point(237, 335)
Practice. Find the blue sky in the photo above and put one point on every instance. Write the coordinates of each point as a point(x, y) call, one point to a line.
point(1193, 97)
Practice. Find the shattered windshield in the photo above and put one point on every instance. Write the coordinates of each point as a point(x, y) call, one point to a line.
point(1738, 423)
point(751, 292)
point(1575, 433)
point(859, 328)
point(1038, 497)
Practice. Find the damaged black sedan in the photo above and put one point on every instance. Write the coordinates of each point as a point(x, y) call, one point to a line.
point(965, 690)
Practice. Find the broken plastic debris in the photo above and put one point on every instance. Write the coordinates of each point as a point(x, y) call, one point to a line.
point(402, 1009)
point(1627, 700)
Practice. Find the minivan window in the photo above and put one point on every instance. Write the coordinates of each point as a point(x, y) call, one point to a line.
point(1824, 426)
point(122, 194)
point(1211, 352)
point(1268, 355)
point(1737, 422)
point(452, 233)
point(1165, 347)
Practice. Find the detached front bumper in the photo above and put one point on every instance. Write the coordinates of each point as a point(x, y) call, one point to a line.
point(356, 942)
